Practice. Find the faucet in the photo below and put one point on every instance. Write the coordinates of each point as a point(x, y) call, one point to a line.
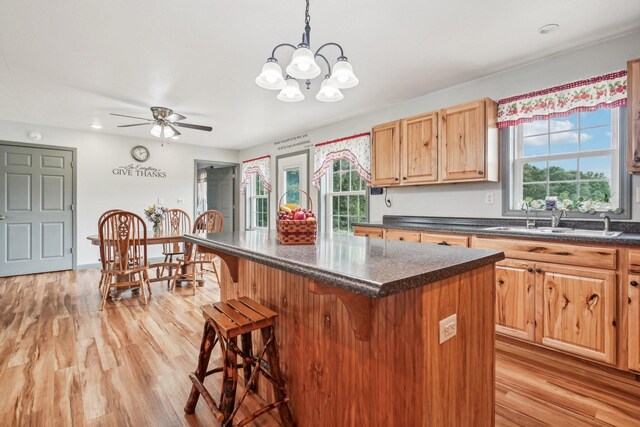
point(607, 222)
point(556, 217)
point(531, 223)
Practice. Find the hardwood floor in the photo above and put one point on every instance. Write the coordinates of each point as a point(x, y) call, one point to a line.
point(65, 363)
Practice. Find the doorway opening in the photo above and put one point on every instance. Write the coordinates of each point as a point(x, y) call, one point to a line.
point(217, 187)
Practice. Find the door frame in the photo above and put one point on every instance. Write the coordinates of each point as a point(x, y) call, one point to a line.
point(236, 188)
point(309, 170)
point(74, 189)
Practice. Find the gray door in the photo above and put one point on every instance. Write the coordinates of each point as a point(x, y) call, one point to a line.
point(36, 218)
point(220, 193)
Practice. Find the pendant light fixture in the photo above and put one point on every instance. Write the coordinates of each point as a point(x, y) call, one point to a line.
point(303, 66)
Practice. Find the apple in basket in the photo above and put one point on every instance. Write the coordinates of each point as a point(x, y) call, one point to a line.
point(299, 216)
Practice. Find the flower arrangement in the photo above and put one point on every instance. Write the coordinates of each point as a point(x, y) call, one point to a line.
point(584, 206)
point(154, 214)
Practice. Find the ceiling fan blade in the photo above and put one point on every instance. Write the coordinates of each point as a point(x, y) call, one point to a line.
point(175, 117)
point(135, 124)
point(131, 117)
point(197, 127)
point(176, 133)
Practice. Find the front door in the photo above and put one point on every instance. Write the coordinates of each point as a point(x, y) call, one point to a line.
point(220, 187)
point(36, 217)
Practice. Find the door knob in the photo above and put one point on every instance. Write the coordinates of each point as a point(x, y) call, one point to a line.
point(2, 217)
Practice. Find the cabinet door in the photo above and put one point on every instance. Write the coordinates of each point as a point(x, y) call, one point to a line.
point(385, 154)
point(634, 322)
point(463, 133)
point(633, 115)
point(576, 309)
point(515, 299)
point(420, 149)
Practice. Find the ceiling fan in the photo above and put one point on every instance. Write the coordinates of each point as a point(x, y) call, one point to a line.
point(164, 123)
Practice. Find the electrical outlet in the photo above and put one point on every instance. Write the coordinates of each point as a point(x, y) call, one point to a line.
point(448, 328)
point(488, 198)
point(180, 201)
point(160, 201)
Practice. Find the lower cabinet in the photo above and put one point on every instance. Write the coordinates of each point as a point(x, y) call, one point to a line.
point(566, 308)
point(633, 289)
point(577, 311)
point(371, 232)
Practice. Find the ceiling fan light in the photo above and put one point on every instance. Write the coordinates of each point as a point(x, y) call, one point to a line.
point(291, 93)
point(303, 65)
point(329, 92)
point(167, 132)
point(342, 75)
point(271, 76)
point(156, 130)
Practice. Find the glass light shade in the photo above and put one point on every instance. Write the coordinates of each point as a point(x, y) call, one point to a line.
point(156, 130)
point(303, 64)
point(291, 93)
point(329, 92)
point(343, 76)
point(271, 77)
point(167, 132)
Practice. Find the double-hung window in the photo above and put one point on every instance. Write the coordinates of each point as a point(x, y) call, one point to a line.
point(345, 198)
point(258, 203)
point(576, 159)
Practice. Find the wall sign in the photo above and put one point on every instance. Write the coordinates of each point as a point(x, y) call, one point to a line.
point(139, 170)
point(293, 142)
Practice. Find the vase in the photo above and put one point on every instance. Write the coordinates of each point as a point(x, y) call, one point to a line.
point(156, 229)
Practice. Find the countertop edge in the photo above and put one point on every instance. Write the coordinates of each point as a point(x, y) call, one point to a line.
point(352, 284)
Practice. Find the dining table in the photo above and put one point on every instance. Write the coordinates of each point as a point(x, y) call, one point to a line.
point(161, 238)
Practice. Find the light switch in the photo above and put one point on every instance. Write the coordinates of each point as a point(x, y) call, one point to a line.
point(448, 328)
point(180, 201)
point(160, 201)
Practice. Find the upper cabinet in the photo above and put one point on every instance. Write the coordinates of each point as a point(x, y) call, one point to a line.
point(633, 115)
point(385, 154)
point(456, 144)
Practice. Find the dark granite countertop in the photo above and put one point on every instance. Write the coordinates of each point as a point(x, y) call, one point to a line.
point(372, 267)
point(477, 226)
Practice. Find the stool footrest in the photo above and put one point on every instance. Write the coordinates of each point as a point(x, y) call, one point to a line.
point(261, 411)
point(207, 397)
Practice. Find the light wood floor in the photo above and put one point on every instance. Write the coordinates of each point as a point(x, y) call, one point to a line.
point(65, 363)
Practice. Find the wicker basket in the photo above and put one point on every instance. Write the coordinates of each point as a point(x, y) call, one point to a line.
point(296, 232)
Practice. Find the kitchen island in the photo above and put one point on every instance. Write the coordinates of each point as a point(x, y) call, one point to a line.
point(359, 327)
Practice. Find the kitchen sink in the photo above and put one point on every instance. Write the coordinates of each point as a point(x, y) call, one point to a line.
point(557, 230)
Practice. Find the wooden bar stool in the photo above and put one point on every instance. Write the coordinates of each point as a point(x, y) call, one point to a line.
point(224, 322)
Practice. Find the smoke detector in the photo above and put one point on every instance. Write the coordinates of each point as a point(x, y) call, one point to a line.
point(35, 136)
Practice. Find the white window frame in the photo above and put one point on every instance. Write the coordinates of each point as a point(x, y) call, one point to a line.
point(518, 160)
point(251, 201)
point(328, 193)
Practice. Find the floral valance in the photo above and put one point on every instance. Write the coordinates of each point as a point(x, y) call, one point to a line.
point(607, 91)
point(260, 166)
point(355, 149)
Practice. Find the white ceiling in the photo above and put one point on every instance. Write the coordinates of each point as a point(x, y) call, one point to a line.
point(69, 63)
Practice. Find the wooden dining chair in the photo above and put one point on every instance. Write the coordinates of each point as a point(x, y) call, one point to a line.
point(123, 249)
point(175, 221)
point(210, 221)
point(102, 217)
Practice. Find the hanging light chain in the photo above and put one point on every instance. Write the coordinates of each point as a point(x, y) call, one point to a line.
point(307, 18)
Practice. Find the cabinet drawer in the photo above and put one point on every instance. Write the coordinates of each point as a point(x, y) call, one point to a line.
point(407, 236)
point(634, 260)
point(445, 239)
point(560, 253)
point(373, 233)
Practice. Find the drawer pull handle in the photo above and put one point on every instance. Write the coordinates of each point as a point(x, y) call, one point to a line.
point(538, 270)
point(480, 172)
point(634, 283)
point(404, 178)
point(400, 238)
point(396, 179)
point(530, 270)
point(366, 235)
point(500, 282)
point(444, 243)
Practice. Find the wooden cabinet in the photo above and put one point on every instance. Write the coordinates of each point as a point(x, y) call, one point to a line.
point(515, 299)
point(633, 116)
point(405, 235)
point(456, 144)
point(385, 154)
point(633, 316)
point(468, 147)
point(577, 311)
point(445, 239)
point(370, 232)
point(419, 142)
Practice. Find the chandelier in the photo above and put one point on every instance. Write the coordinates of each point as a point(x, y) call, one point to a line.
point(303, 66)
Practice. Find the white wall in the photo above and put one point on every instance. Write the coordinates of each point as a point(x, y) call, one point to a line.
point(98, 189)
point(467, 200)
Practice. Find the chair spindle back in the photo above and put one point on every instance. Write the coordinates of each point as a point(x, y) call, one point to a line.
point(123, 240)
point(175, 221)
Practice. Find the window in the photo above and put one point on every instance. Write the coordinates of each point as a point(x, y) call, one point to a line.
point(258, 202)
point(292, 183)
point(346, 200)
point(575, 158)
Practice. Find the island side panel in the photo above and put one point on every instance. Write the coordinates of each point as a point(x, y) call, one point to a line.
point(401, 375)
